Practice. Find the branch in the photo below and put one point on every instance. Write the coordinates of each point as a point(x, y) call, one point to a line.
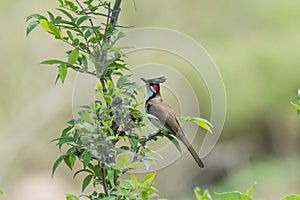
point(103, 177)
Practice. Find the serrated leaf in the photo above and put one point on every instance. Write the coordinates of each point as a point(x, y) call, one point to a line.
point(73, 56)
point(122, 160)
point(87, 117)
point(31, 26)
point(291, 197)
point(71, 197)
point(233, 195)
point(62, 72)
point(148, 178)
point(199, 121)
point(86, 182)
point(57, 163)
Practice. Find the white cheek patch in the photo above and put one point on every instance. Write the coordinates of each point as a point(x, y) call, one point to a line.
point(152, 88)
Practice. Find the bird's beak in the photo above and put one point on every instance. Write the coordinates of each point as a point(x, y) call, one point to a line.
point(144, 80)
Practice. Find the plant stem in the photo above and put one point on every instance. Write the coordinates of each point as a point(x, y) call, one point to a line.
point(101, 164)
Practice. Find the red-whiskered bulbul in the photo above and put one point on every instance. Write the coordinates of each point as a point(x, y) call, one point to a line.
point(166, 119)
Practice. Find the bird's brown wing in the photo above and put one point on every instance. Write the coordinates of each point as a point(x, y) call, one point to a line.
point(166, 116)
point(168, 119)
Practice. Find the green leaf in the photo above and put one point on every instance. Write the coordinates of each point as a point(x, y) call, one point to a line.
point(61, 2)
point(100, 87)
point(82, 170)
point(62, 72)
point(31, 26)
point(82, 45)
point(134, 180)
point(51, 16)
point(82, 19)
point(86, 182)
point(133, 142)
point(36, 16)
point(1, 193)
point(57, 163)
point(70, 35)
point(135, 165)
point(52, 62)
point(73, 56)
point(298, 95)
point(199, 121)
point(87, 157)
point(235, 195)
point(87, 117)
point(297, 106)
point(122, 160)
point(70, 160)
point(251, 189)
point(107, 98)
point(122, 81)
point(110, 173)
point(108, 198)
point(174, 141)
point(110, 87)
point(75, 42)
point(118, 66)
point(71, 197)
point(67, 14)
point(121, 35)
point(204, 196)
point(51, 28)
point(71, 5)
point(291, 197)
point(148, 178)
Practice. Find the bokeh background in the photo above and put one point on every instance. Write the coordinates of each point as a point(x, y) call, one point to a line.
point(256, 47)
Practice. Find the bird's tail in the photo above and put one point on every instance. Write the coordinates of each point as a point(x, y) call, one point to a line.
point(185, 141)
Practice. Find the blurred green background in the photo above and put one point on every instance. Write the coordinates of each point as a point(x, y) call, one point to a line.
point(256, 47)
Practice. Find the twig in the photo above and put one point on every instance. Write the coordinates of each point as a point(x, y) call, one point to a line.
point(101, 164)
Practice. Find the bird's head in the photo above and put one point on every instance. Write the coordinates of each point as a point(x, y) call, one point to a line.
point(153, 86)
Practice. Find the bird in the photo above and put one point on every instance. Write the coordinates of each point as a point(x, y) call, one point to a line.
point(165, 118)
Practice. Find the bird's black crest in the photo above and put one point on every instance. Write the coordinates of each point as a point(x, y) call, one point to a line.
point(157, 80)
